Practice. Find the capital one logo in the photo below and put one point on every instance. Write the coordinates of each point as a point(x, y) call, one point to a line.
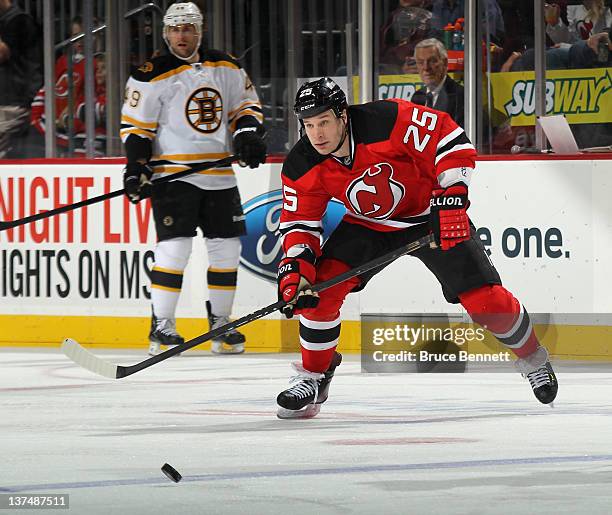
point(375, 194)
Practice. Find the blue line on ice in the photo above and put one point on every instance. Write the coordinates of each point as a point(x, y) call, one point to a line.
point(310, 472)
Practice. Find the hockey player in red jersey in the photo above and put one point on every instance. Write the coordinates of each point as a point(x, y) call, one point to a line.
point(402, 170)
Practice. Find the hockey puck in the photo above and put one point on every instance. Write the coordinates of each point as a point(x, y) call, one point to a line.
point(171, 473)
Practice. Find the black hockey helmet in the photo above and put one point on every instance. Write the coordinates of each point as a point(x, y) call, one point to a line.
point(318, 96)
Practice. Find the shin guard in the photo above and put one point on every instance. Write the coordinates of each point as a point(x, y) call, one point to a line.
point(496, 309)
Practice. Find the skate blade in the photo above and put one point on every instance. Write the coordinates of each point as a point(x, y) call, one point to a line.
point(155, 351)
point(310, 411)
point(226, 348)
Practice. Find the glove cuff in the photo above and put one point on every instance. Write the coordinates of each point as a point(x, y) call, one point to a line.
point(297, 266)
point(258, 130)
point(244, 129)
point(453, 197)
point(136, 169)
point(457, 188)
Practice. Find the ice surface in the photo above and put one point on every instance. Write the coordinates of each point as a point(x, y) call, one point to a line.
point(382, 444)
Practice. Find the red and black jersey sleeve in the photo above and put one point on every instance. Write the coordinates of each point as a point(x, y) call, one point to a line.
point(304, 200)
point(455, 156)
point(433, 140)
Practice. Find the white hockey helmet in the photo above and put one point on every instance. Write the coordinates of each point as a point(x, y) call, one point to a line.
point(183, 13)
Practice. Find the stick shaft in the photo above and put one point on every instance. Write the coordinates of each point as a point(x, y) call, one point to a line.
point(375, 263)
point(106, 196)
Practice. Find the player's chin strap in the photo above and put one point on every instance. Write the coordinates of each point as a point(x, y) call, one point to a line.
point(344, 135)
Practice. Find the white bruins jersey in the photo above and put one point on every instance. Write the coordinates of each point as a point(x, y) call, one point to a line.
point(189, 112)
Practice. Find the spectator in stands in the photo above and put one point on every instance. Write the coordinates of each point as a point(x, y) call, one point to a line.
point(405, 27)
point(440, 91)
point(449, 11)
point(69, 93)
point(21, 72)
point(99, 112)
point(592, 17)
point(595, 52)
point(591, 53)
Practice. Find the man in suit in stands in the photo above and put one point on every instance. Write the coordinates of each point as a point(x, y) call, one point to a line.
point(440, 91)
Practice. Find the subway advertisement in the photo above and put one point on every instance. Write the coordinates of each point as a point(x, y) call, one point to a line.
point(583, 95)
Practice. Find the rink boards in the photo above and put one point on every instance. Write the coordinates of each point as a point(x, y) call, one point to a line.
point(546, 223)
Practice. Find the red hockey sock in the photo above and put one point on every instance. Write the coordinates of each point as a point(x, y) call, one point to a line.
point(529, 347)
point(317, 360)
point(320, 326)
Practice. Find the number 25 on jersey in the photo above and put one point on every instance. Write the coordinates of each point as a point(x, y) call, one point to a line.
point(428, 121)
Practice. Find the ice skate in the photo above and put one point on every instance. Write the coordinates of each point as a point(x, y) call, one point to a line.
point(536, 368)
point(311, 389)
point(231, 342)
point(163, 332)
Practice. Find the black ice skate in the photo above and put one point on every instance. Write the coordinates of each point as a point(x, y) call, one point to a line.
point(163, 332)
point(304, 399)
point(537, 369)
point(231, 342)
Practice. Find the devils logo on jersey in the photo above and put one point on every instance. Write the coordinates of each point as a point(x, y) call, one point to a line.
point(61, 86)
point(375, 194)
point(584, 28)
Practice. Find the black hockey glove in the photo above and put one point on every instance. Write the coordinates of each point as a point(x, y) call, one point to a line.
point(137, 181)
point(249, 147)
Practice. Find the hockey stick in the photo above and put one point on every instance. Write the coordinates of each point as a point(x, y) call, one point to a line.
point(81, 356)
point(63, 209)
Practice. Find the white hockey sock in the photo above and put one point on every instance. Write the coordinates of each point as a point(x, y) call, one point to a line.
point(223, 256)
point(171, 257)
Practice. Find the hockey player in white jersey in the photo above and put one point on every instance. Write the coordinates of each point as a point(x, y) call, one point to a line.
point(182, 109)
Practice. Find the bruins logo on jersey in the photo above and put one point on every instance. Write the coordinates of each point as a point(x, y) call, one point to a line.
point(146, 67)
point(203, 110)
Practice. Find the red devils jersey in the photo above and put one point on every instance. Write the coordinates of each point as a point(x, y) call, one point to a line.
point(400, 152)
